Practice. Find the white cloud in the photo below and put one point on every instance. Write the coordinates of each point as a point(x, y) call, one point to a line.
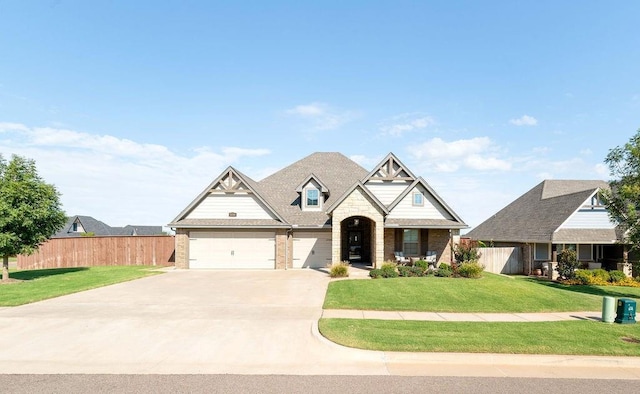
point(321, 115)
point(476, 153)
point(524, 120)
point(401, 124)
point(601, 170)
point(119, 181)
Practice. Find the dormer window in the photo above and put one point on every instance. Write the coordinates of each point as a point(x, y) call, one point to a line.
point(74, 227)
point(312, 193)
point(313, 200)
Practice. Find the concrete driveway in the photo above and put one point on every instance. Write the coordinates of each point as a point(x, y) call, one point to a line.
point(232, 322)
point(182, 322)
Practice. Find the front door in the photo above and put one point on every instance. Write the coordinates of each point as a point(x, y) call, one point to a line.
point(355, 246)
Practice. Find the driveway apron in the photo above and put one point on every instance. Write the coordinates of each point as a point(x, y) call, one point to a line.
point(253, 322)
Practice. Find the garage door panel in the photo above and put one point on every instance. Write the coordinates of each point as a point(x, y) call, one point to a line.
point(229, 250)
point(311, 249)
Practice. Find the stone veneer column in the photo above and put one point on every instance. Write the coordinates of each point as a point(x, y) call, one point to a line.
point(182, 249)
point(281, 249)
point(358, 204)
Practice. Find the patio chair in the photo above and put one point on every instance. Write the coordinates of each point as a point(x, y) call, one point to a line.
point(400, 259)
point(431, 258)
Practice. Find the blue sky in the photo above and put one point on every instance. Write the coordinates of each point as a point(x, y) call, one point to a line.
point(132, 107)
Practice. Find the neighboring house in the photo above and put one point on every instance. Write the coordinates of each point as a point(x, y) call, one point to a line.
point(78, 226)
point(554, 215)
point(321, 209)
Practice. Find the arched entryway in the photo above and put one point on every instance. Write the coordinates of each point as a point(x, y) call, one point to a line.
point(357, 233)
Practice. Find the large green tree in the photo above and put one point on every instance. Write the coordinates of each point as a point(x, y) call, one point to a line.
point(623, 199)
point(30, 209)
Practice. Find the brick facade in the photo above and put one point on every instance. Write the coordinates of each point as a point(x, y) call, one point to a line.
point(440, 242)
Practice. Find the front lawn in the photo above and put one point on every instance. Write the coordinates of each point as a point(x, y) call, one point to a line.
point(492, 293)
point(565, 337)
point(38, 285)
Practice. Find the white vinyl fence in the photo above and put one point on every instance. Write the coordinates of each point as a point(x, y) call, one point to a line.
point(506, 260)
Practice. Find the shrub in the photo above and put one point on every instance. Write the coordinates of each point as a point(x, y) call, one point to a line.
point(404, 271)
point(601, 274)
point(339, 270)
point(389, 270)
point(444, 271)
point(466, 251)
point(410, 271)
point(375, 273)
point(417, 271)
point(616, 276)
point(583, 277)
point(422, 265)
point(567, 264)
point(470, 270)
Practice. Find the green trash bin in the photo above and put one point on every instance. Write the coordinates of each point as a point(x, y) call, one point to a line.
point(626, 312)
point(608, 309)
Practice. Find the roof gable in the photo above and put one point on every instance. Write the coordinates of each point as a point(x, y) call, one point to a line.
point(231, 181)
point(358, 185)
point(313, 178)
point(390, 169)
point(534, 216)
point(421, 182)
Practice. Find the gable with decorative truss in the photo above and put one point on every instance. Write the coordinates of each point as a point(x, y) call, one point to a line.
point(230, 182)
point(230, 196)
point(389, 179)
point(391, 169)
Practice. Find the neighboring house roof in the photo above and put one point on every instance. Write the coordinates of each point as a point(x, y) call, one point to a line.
point(281, 192)
point(537, 215)
point(141, 230)
point(90, 225)
point(87, 223)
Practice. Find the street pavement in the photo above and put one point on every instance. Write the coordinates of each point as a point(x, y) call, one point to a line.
point(233, 322)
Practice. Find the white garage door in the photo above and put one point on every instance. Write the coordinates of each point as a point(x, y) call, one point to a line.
point(311, 249)
point(232, 249)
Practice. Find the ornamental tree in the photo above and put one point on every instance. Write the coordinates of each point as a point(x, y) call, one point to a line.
point(30, 211)
point(623, 198)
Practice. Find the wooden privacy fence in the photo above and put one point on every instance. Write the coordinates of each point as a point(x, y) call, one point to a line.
point(101, 251)
point(504, 260)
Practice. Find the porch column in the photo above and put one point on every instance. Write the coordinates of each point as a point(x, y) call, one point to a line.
point(378, 257)
point(336, 232)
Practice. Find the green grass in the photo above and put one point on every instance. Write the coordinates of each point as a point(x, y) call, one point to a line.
point(566, 337)
point(492, 293)
point(38, 285)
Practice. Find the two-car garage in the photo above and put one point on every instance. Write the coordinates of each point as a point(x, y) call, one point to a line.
point(232, 249)
point(240, 249)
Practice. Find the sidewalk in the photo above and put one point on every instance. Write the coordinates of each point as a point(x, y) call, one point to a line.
point(474, 317)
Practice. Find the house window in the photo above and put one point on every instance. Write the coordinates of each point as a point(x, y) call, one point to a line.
point(410, 242)
point(418, 199)
point(584, 252)
point(541, 252)
point(312, 198)
point(74, 227)
point(597, 202)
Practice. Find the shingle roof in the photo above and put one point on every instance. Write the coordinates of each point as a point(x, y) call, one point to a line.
point(98, 228)
point(432, 223)
point(281, 193)
point(333, 169)
point(89, 224)
point(535, 215)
